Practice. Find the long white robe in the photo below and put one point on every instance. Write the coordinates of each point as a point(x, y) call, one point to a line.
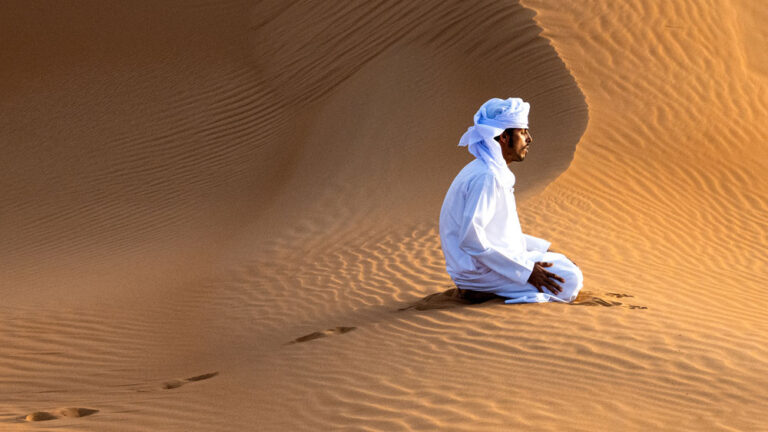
point(484, 246)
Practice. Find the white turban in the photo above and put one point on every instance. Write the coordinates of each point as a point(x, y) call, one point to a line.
point(490, 121)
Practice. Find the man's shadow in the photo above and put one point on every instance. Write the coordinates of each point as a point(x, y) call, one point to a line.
point(455, 297)
point(451, 298)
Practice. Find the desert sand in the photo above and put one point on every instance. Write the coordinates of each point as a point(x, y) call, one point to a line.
point(221, 216)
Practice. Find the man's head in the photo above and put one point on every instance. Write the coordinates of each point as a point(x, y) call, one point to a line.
point(500, 135)
point(514, 144)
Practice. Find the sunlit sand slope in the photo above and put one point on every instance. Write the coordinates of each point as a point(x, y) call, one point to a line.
point(666, 200)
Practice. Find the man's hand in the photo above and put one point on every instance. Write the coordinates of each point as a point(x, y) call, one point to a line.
point(541, 278)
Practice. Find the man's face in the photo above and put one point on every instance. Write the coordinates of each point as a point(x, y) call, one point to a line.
point(514, 146)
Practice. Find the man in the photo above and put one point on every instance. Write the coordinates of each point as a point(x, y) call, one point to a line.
point(485, 249)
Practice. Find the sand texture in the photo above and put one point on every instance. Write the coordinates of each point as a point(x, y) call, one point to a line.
point(220, 216)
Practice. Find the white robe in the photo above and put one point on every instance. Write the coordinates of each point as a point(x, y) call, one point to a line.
point(484, 246)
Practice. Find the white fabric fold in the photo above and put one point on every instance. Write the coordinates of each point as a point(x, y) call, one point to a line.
point(484, 239)
point(536, 244)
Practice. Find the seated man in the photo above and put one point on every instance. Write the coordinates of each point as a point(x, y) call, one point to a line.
point(485, 249)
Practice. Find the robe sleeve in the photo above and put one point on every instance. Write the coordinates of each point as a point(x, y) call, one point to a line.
point(480, 207)
point(536, 244)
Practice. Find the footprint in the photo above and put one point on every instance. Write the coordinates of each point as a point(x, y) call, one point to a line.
point(76, 412)
point(40, 416)
point(596, 301)
point(61, 412)
point(321, 334)
point(203, 376)
point(586, 298)
point(176, 383)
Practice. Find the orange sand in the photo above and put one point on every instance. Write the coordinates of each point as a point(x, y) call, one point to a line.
point(213, 211)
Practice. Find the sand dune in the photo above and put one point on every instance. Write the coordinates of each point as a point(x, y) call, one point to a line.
point(223, 216)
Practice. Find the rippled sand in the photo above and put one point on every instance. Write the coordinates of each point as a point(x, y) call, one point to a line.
point(223, 216)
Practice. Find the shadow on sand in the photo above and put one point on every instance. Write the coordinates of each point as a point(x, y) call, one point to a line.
point(452, 298)
point(455, 297)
